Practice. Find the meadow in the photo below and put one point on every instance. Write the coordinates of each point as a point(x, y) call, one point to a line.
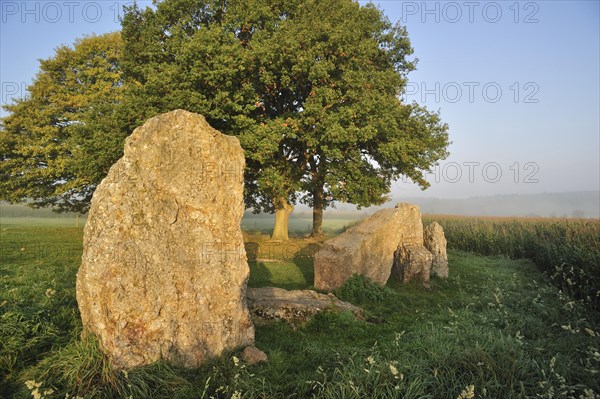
point(567, 250)
point(499, 327)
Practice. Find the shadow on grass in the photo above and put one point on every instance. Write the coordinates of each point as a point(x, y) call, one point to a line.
point(288, 275)
point(287, 265)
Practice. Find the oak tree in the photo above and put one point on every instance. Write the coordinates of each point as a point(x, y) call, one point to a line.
point(311, 88)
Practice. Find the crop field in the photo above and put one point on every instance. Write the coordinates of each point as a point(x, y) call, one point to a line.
point(506, 324)
point(568, 250)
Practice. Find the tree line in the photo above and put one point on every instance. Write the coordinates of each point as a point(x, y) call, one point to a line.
point(312, 89)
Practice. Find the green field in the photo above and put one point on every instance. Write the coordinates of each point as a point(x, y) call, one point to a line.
point(567, 250)
point(497, 327)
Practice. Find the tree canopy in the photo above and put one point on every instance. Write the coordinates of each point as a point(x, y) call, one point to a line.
point(58, 144)
point(332, 77)
point(310, 87)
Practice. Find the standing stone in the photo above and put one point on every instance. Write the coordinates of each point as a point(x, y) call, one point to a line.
point(412, 262)
point(435, 242)
point(164, 270)
point(368, 248)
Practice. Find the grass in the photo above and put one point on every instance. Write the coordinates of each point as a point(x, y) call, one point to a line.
point(497, 325)
point(42, 222)
point(283, 264)
point(568, 250)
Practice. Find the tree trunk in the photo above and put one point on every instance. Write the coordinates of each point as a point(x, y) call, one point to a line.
point(317, 228)
point(282, 215)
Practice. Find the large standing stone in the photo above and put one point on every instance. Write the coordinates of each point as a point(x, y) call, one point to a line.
point(435, 242)
point(164, 270)
point(412, 262)
point(368, 248)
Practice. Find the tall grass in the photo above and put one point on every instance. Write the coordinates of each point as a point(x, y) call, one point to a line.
point(568, 250)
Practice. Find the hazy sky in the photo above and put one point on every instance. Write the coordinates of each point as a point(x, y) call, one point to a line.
point(517, 82)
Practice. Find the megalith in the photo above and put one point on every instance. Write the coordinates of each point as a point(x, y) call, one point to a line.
point(435, 242)
point(368, 248)
point(164, 269)
point(412, 262)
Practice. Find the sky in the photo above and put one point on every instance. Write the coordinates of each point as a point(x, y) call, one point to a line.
point(518, 83)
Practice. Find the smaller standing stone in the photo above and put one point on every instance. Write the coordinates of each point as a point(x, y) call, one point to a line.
point(252, 355)
point(435, 242)
point(412, 262)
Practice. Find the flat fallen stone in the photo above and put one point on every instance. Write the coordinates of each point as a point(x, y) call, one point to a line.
point(295, 306)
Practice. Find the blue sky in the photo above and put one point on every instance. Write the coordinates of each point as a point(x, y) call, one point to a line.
point(518, 83)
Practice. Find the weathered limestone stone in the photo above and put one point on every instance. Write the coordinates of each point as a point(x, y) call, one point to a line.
point(295, 307)
point(435, 242)
point(252, 355)
point(368, 248)
point(412, 262)
point(164, 270)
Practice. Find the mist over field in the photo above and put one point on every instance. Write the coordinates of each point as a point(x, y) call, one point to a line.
point(583, 204)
